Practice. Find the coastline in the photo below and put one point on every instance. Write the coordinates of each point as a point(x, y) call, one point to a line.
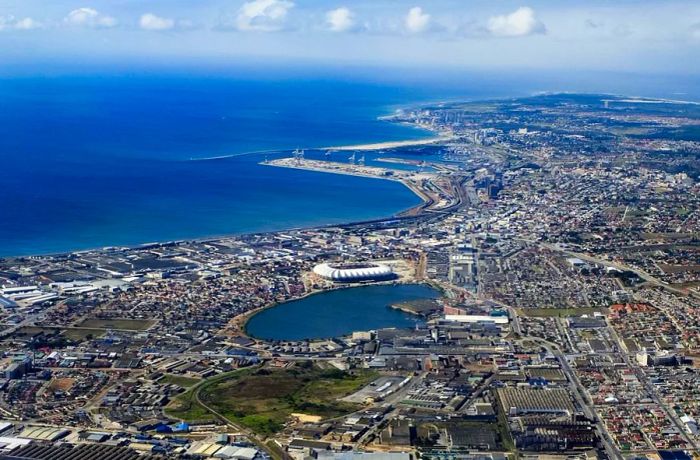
point(370, 172)
point(439, 137)
point(207, 238)
point(392, 144)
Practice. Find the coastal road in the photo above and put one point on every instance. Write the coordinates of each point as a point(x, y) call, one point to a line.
point(426, 215)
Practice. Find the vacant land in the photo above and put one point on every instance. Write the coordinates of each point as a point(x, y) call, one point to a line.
point(117, 323)
point(263, 399)
point(180, 380)
point(53, 337)
point(30, 331)
point(75, 335)
point(79, 335)
point(186, 406)
point(62, 384)
point(675, 269)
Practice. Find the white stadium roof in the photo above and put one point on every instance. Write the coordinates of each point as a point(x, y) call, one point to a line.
point(367, 272)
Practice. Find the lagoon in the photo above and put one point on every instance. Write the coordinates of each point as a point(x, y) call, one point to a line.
point(339, 312)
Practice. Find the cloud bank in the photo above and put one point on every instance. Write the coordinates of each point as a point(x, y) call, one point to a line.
point(263, 15)
point(11, 23)
point(150, 21)
point(89, 17)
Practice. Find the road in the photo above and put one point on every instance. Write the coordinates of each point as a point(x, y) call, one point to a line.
point(644, 380)
point(32, 319)
point(642, 274)
point(392, 399)
point(578, 391)
point(276, 454)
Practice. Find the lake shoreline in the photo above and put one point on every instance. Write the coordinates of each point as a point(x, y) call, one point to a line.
point(376, 305)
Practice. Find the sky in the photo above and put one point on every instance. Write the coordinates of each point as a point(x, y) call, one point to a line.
point(655, 36)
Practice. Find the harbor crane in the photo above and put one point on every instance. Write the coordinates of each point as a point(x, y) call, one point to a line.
point(298, 156)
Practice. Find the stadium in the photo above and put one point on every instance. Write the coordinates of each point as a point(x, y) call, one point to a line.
point(354, 272)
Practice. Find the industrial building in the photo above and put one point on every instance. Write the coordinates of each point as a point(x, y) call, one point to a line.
point(519, 401)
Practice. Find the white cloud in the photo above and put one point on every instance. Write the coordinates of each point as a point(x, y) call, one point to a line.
point(340, 20)
point(150, 21)
point(416, 20)
point(28, 24)
point(519, 23)
point(263, 15)
point(11, 23)
point(88, 17)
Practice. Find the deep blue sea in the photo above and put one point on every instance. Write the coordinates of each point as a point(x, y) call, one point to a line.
point(339, 312)
point(102, 161)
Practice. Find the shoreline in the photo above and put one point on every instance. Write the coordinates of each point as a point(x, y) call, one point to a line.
point(212, 238)
point(247, 316)
point(391, 144)
point(207, 238)
point(425, 199)
point(441, 137)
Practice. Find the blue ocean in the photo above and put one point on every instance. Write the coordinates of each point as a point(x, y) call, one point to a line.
point(120, 158)
point(95, 161)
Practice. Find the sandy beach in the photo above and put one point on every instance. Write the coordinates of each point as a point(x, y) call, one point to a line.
point(392, 145)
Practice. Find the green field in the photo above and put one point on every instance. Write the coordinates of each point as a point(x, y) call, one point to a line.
point(74, 335)
point(117, 323)
point(34, 330)
point(262, 399)
point(79, 335)
point(184, 382)
point(186, 408)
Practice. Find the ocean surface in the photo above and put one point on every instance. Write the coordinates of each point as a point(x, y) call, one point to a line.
point(104, 161)
point(339, 312)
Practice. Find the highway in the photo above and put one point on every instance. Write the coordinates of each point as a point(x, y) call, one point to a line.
point(642, 274)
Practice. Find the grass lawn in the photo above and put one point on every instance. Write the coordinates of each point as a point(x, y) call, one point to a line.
point(186, 407)
point(79, 335)
point(184, 382)
point(263, 399)
point(34, 330)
